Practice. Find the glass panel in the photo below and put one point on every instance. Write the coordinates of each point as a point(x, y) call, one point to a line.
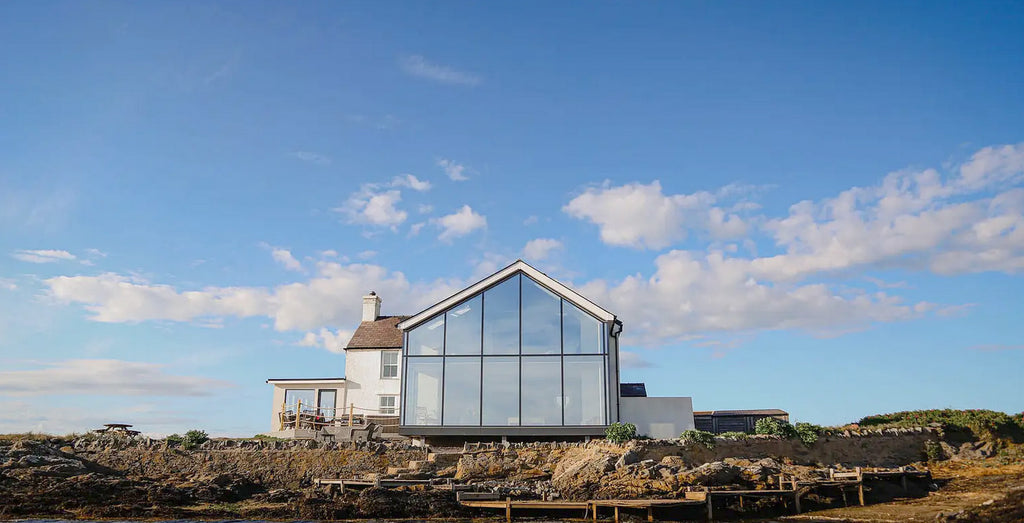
point(428, 338)
point(540, 320)
point(585, 390)
point(423, 391)
point(501, 318)
point(501, 391)
point(293, 396)
point(463, 332)
point(462, 391)
point(581, 333)
point(542, 390)
point(328, 400)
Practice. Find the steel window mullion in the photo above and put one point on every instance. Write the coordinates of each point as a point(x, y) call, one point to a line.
point(480, 408)
point(561, 356)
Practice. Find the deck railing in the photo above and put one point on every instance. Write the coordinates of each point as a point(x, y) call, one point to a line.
point(303, 416)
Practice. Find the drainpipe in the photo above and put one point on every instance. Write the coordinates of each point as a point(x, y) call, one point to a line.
point(614, 332)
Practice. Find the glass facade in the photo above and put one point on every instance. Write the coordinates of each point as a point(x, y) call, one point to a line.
point(515, 354)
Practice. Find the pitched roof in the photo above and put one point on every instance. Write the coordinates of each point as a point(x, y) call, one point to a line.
point(381, 333)
point(516, 266)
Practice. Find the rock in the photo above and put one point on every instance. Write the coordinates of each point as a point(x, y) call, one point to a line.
point(627, 458)
point(675, 462)
point(711, 474)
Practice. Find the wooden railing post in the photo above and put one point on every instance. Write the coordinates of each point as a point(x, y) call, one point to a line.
point(351, 413)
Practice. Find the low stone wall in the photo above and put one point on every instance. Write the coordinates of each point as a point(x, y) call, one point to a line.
point(274, 464)
point(883, 448)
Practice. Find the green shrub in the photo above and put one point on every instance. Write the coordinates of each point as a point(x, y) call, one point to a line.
point(987, 425)
point(808, 432)
point(774, 427)
point(700, 437)
point(194, 438)
point(620, 432)
point(734, 435)
point(932, 450)
point(175, 439)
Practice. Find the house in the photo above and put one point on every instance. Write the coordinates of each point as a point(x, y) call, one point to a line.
point(719, 421)
point(517, 354)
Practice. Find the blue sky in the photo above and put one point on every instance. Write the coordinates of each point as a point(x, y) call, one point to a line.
point(799, 205)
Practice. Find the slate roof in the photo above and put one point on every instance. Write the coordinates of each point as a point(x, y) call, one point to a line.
point(632, 390)
point(381, 333)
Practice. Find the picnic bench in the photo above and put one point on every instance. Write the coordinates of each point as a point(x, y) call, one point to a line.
point(117, 428)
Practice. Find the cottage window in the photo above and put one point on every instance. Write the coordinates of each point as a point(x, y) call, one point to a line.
point(292, 397)
point(389, 364)
point(387, 405)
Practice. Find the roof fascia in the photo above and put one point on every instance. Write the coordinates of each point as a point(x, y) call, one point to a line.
point(518, 266)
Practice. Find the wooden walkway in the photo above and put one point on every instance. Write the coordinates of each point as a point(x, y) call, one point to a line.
point(790, 490)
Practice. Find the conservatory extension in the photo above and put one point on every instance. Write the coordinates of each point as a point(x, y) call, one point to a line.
point(515, 354)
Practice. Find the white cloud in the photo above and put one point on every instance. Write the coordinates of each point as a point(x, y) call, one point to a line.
point(8, 284)
point(459, 223)
point(285, 258)
point(326, 339)
point(330, 299)
point(374, 208)
point(311, 157)
point(416, 228)
point(410, 181)
point(641, 216)
point(455, 171)
point(425, 208)
point(418, 66)
point(366, 255)
point(693, 295)
point(540, 248)
point(43, 255)
point(105, 377)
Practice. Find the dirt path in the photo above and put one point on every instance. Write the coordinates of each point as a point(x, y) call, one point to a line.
point(984, 491)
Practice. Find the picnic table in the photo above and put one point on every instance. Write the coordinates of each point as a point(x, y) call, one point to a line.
point(117, 428)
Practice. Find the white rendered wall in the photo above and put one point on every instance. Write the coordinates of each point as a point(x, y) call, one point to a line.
point(662, 418)
point(364, 384)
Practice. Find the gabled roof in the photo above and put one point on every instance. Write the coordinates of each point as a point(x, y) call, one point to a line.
point(381, 333)
point(517, 266)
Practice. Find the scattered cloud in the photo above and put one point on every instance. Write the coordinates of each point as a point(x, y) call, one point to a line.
point(312, 157)
point(285, 258)
point(374, 208)
point(540, 248)
point(366, 255)
point(459, 223)
point(104, 377)
point(43, 256)
point(455, 171)
point(8, 284)
point(332, 298)
point(334, 341)
point(425, 208)
point(418, 66)
point(530, 220)
point(410, 181)
point(643, 217)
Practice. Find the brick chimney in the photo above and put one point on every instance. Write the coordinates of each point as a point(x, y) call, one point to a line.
point(371, 306)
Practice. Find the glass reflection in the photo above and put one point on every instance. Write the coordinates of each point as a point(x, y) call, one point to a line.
point(423, 392)
point(462, 335)
point(427, 339)
point(501, 318)
point(581, 332)
point(542, 390)
point(462, 391)
point(501, 391)
point(584, 390)
point(541, 314)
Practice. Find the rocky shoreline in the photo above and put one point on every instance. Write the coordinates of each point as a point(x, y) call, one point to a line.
point(90, 478)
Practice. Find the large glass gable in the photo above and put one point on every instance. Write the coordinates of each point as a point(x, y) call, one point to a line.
point(515, 354)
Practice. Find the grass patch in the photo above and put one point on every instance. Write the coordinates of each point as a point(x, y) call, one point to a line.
point(699, 437)
point(985, 425)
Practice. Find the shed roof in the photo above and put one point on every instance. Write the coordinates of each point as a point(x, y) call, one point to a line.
point(381, 333)
point(752, 412)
